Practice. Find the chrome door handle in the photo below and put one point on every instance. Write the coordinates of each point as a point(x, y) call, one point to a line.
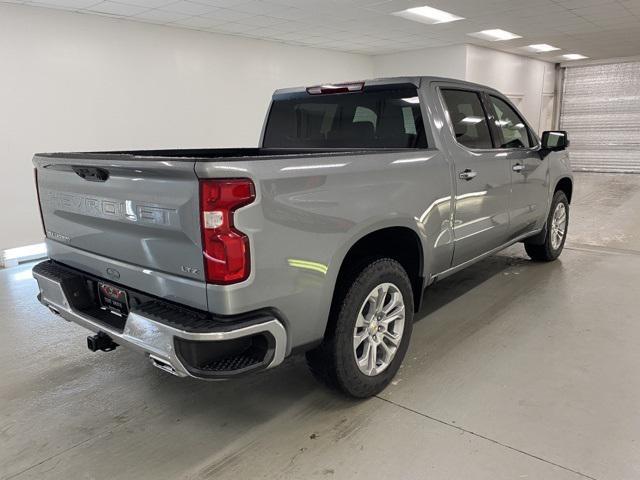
point(518, 167)
point(467, 174)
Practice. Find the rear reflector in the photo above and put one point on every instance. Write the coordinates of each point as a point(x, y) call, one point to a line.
point(225, 248)
point(337, 88)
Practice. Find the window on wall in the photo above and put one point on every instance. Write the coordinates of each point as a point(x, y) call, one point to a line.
point(515, 133)
point(468, 118)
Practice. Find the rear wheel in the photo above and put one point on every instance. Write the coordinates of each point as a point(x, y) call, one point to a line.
point(369, 332)
point(556, 231)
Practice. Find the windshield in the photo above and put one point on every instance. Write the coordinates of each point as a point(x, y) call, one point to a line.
point(369, 119)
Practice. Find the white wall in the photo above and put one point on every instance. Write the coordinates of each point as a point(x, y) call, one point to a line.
point(84, 82)
point(524, 79)
point(516, 76)
point(439, 61)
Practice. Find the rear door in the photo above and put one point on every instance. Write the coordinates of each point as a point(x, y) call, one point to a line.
point(529, 173)
point(481, 176)
point(138, 213)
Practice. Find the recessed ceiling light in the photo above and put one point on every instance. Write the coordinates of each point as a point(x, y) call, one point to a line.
point(428, 15)
point(542, 47)
point(574, 56)
point(494, 35)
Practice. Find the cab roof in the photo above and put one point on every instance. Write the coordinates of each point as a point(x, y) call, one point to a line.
point(384, 81)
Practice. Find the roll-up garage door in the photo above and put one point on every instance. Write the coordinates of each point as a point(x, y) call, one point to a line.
point(601, 112)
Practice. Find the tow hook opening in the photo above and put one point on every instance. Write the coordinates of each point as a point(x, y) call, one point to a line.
point(102, 342)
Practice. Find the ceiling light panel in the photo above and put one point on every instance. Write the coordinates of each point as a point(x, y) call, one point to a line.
point(574, 56)
point(428, 15)
point(542, 47)
point(369, 26)
point(494, 35)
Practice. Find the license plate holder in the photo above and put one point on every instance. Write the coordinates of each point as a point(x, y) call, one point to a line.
point(113, 299)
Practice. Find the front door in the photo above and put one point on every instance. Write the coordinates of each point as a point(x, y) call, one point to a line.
point(482, 177)
point(529, 179)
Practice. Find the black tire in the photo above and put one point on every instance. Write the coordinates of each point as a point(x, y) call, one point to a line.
point(544, 251)
point(334, 361)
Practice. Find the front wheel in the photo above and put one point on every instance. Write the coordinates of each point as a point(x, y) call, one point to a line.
point(556, 231)
point(369, 332)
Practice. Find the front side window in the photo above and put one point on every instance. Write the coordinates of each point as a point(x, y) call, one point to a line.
point(468, 119)
point(514, 132)
point(369, 119)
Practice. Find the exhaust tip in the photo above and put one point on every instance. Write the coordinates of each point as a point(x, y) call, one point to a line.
point(163, 365)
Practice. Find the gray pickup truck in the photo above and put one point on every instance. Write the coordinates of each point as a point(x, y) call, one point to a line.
point(220, 262)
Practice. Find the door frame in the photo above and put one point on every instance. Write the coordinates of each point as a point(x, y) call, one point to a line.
point(437, 87)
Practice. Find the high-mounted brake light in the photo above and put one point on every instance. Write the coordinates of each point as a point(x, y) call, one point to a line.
point(336, 88)
point(225, 248)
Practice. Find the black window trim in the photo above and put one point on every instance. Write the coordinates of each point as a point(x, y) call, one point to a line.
point(487, 116)
point(533, 139)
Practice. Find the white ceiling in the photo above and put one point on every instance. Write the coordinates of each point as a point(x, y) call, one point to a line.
point(595, 28)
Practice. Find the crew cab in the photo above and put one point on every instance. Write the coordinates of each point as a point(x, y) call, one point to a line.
point(219, 262)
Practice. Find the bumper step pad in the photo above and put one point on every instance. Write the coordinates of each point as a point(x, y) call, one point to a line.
point(237, 362)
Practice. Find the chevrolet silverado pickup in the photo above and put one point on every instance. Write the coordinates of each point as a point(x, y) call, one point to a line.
point(219, 262)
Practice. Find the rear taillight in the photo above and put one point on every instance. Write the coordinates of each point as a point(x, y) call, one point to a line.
point(225, 249)
point(35, 176)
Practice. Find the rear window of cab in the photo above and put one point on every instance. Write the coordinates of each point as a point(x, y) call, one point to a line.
point(366, 119)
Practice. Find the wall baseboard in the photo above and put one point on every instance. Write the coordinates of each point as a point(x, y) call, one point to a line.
point(12, 257)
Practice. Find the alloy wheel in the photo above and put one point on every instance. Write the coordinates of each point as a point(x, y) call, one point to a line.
point(378, 330)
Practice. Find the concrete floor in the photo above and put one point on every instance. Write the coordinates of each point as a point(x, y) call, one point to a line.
point(516, 370)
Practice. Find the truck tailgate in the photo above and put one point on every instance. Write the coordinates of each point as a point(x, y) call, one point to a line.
point(140, 213)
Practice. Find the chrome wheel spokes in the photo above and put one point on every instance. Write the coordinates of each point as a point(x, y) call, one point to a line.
point(378, 331)
point(558, 225)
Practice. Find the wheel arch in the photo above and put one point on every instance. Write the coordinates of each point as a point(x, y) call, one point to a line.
point(398, 242)
point(565, 184)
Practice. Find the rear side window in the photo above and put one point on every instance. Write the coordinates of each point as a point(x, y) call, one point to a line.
point(468, 118)
point(368, 119)
point(515, 133)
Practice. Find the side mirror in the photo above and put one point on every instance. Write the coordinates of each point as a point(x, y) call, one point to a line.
point(555, 141)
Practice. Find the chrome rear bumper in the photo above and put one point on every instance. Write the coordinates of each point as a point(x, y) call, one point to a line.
point(158, 340)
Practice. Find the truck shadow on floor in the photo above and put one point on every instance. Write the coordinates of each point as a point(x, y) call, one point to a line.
point(462, 283)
